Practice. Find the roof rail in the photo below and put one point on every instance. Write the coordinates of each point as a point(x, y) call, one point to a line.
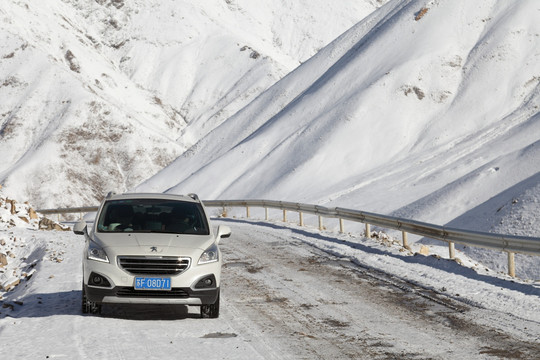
point(194, 197)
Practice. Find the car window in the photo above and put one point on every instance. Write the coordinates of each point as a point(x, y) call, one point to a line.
point(153, 215)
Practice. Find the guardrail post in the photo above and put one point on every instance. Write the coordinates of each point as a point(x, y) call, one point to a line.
point(341, 226)
point(511, 265)
point(404, 237)
point(284, 215)
point(505, 243)
point(451, 250)
point(266, 213)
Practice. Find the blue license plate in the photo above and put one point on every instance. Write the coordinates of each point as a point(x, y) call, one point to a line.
point(152, 283)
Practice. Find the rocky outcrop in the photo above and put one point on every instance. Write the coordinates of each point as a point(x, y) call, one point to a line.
point(15, 265)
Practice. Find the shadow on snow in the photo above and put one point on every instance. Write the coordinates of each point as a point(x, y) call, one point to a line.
point(69, 303)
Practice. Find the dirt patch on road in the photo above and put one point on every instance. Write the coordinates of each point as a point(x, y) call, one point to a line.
point(303, 303)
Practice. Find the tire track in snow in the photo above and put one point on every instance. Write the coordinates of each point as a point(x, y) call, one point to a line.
point(301, 302)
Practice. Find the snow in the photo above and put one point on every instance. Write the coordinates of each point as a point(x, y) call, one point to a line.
point(100, 95)
point(390, 119)
point(49, 301)
point(422, 109)
point(384, 118)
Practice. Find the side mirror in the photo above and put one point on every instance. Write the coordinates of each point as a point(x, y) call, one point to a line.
point(223, 232)
point(80, 228)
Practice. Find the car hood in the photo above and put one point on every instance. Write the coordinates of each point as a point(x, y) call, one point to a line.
point(156, 243)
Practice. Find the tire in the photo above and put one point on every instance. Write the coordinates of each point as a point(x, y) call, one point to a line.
point(210, 311)
point(89, 307)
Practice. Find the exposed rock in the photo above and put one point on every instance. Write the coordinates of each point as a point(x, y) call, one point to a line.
point(414, 89)
point(117, 3)
point(3, 260)
point(33, 214)
point(424, 250)
point(420, 14)
point(10, 284)
point(73, 62)
point(28, 275)
point(12, 203)
point(48, 224)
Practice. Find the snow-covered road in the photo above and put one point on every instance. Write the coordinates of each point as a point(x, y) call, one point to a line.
point(284, 296)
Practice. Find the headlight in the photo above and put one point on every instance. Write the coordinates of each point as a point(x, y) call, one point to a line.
point(95, 252)
point(209, 255)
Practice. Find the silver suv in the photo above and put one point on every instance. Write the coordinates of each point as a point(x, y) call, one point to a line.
point(151, 249)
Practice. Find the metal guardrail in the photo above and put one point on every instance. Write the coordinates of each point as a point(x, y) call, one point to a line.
point(84, 209)
point(506, 243)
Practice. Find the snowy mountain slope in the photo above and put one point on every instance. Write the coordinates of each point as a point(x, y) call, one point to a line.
point(64, 117)
point(100, 95)
point(211, 58)
point(425, 109)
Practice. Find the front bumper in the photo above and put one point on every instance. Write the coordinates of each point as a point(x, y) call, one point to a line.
point(118, 285)
point(128, 295)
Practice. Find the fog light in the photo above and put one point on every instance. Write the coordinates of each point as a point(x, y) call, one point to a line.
point(206, 282)
point(98, 280)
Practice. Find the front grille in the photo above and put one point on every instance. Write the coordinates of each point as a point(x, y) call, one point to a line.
point(154, 265)
point(174, 293)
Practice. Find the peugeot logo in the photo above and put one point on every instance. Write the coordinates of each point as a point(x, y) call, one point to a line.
point(153, 249)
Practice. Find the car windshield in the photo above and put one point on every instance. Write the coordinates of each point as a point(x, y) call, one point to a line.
point(153, 215)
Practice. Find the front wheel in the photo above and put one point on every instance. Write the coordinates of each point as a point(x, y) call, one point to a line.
point(210, 311)
point(89, 307)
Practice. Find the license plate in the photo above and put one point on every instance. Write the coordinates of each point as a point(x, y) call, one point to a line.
point(152, 283)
